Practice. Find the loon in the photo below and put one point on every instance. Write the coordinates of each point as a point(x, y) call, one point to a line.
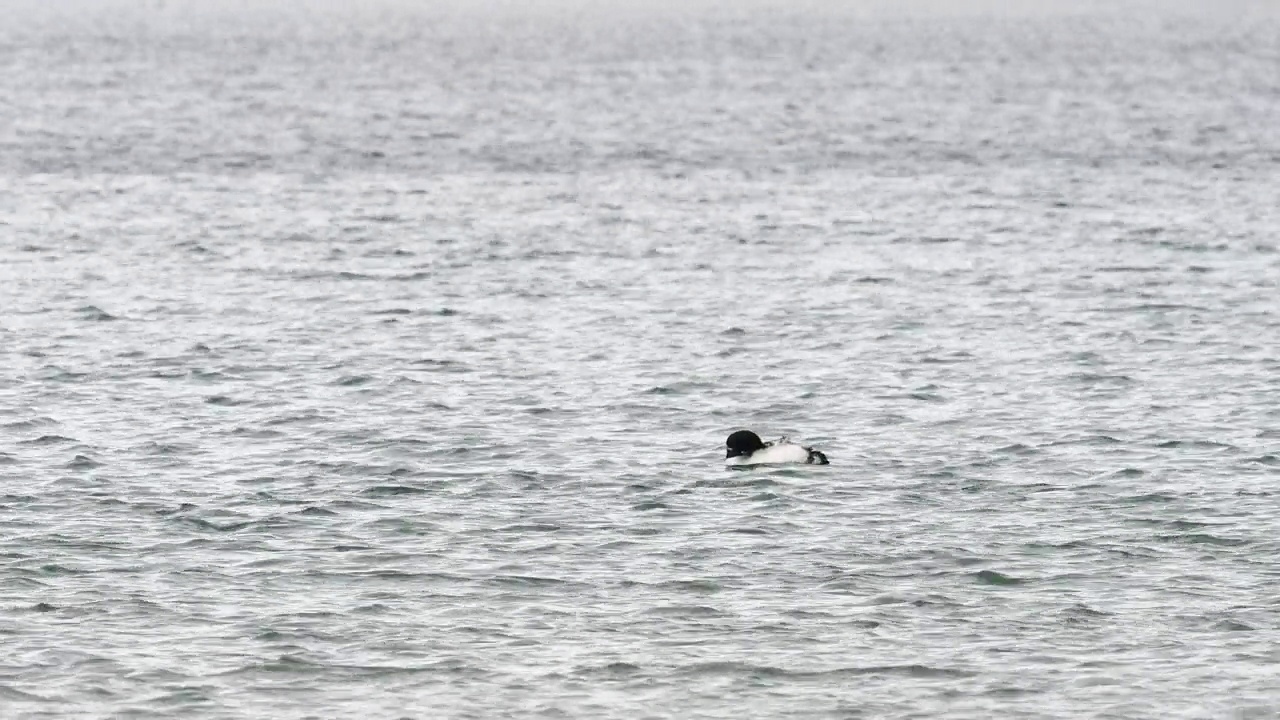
point(745, 448)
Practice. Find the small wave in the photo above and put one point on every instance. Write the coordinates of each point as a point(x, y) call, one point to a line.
point(203, 524)
point(689, 611)
point(1203, 539)
point(991, 577)
point(1196, 445)
point(434, 365)
point(29, 424)
point(749, 669)
point(697, 587)
point(223, 401)
point(1151, 307)
point(93, 313)
point(1154, 497)
point(392, 490)
point(48, 440)
point(613, 668)
point(529, 580)
point(529, 527)
point(1086, 440)
point(1100, 379)
point(16, 695)
point(83, 462)
point(676, 388)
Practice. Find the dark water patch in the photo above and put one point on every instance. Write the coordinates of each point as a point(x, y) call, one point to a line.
point(392, 311)
point(1268, 460)
point(650, 505)
point(353, 380)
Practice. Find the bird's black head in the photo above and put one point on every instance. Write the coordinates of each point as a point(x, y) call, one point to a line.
point(743, 442)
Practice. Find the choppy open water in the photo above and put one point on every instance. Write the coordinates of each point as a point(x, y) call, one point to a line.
point(378, 362)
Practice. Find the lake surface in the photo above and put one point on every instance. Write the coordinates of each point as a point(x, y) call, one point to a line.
point(378, 362)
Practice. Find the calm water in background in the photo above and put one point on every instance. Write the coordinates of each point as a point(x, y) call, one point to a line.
point(378, 362)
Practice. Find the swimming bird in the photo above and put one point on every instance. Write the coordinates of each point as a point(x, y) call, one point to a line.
point(745, 448)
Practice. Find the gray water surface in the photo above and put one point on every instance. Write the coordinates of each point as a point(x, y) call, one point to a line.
point(377, 362)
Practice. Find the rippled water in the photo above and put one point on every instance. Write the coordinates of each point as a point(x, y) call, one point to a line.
point(379, 362)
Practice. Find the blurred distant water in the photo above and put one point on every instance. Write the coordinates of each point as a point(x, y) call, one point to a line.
point(377, 360)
